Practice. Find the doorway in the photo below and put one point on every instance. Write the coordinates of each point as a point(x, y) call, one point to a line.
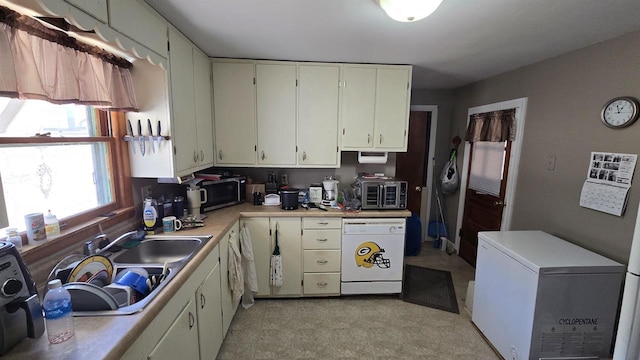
point(505, 201)
point(414, 165)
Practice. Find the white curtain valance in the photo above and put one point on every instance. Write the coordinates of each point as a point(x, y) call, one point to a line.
point(32, 67)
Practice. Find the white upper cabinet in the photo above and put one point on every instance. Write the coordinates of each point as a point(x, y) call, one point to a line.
point(203, 103)
point(234, 113)
point(276, 113)
point(183, 112)
point(95, 8)
point(138, 22)
point(375, 107)
point(392, 108)
point(318, 95)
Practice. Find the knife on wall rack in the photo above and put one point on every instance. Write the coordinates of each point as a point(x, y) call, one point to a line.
point(150, 128)
point(140, 138)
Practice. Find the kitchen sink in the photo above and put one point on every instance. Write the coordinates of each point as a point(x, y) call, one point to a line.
point(159, 250)
point(151, 254)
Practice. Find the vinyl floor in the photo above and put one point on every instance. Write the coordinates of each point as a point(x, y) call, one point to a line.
point(358, 327)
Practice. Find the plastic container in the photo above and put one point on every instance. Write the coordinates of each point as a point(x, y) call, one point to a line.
point(58, 313)
point(35, 228)
point(51, 225)
point(413, 236)
point(14, 238)
point(150, 214)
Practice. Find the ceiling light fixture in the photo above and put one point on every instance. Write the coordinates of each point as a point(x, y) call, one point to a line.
point(409, 10)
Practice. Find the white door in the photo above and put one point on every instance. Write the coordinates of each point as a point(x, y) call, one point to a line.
point(372, 257)
point(392, 109)
point(358, 106)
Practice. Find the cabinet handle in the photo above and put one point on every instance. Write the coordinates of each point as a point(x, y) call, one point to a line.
point(323, 223)
point(192, 320)
point(262, 155)
point(322, 284)
point(201, 155)
point(304, 155)
point(322, 262)
point(322, 240)
point(220, 154)
point(202, 300)
point(195, 156)
point(380, 138)
point(368, 138)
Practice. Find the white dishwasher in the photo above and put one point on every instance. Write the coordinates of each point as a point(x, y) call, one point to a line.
point(372, 255)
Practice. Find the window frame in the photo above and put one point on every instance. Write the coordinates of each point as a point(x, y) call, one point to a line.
point(111, 129)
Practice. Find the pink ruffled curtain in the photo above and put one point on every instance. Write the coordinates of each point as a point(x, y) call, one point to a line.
point(494, 126)
point(35, 67)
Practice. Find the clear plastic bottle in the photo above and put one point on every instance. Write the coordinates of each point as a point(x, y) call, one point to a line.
point(51, 225)
point(14, 238)
point(58, 313)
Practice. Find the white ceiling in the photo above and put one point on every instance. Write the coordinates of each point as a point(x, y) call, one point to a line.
point(462, 42)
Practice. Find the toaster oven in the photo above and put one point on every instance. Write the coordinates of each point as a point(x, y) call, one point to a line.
point(382, 194)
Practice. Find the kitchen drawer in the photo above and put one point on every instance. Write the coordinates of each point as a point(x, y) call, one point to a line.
point(321, 239)
point(321, 261)
point(321, 223)
point(322, 283)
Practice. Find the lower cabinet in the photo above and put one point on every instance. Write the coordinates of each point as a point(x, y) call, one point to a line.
point(229, 307)
point(263, 238)
point(209, 310)
point(181, 340)
point(321, 239)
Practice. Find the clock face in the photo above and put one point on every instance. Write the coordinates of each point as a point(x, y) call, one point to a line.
point(620, 112)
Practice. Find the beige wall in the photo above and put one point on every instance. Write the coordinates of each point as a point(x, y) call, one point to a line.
point(565, 96)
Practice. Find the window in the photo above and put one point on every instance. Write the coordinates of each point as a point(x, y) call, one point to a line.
point(487, 167)
point(56, 157)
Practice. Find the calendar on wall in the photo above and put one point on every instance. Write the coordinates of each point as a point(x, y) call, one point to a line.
point(608, 182)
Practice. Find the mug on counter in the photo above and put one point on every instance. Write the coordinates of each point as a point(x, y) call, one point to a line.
point(171, 224)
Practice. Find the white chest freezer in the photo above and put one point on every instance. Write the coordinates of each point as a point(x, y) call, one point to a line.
point(539, 297)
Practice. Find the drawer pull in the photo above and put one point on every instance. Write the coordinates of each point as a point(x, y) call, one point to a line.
point(322, 262)
point(322, 284)
point(192, 320)
point(323, 223)
point(322, 240)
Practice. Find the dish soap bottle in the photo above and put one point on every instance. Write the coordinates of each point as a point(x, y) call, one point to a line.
point(51, 225)
point(58, 312)
point(150, 214)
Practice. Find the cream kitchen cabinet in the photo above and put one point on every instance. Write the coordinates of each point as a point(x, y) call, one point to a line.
point(321, 239)
point(375, 107)
point(139, 22)
point(181, 340)
point(191, 106)
point(234, 109)
point(263, 232)
point(96, 8)
point(229, 307)
point(276, 113)
point(318, 98)
point(208, 308)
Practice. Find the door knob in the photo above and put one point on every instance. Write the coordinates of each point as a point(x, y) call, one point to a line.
point(418, 188)
point(498, 203)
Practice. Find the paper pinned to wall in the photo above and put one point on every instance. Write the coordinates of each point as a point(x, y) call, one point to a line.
point(608, 182)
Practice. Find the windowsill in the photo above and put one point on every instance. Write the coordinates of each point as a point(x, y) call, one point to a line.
point(73, 235)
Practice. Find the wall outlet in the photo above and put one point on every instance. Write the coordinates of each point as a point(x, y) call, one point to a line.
point(144, 191)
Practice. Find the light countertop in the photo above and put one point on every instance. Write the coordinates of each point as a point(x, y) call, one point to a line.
point(109, 337)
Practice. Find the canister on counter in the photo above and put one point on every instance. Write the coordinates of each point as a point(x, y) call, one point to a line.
point(36, 232)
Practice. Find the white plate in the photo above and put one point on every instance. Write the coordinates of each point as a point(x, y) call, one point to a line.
point(276, 204)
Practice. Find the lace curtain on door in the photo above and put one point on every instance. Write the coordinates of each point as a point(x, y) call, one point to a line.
point(37, 62)
point(488, 133)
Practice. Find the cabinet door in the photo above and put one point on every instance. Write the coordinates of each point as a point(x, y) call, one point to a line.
point(234, 113)
point(276, 113)
point(203, 99)
point(181, 340)
point(318, 95)
point(95, 8)
point(183, 104)
point(358, 106)
point(392, 105)
point(209, 310)
point(290, 242)
point(262, 249)
point(139, 23)
point(228, 305)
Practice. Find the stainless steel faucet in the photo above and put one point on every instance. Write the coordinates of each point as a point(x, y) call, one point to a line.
point(117, 241)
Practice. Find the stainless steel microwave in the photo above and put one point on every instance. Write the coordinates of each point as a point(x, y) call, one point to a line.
point(381, 194)
point(223, 192)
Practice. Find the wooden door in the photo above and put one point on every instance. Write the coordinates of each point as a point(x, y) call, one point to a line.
point(318, 96)
point(411, 166)
point(482, 212)
point(392, 109)
point(276, 113)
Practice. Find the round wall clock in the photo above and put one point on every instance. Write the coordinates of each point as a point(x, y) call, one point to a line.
point(619, 112)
